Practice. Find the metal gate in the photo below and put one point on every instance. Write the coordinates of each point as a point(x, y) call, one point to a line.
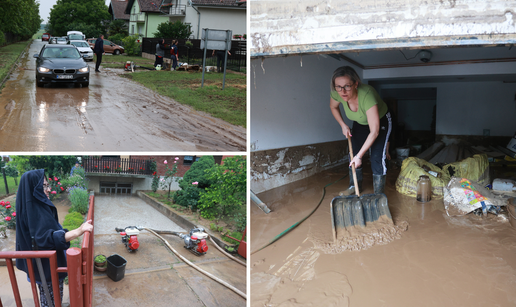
point(116, 188)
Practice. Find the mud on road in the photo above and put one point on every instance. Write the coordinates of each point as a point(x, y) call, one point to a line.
point(112, 114)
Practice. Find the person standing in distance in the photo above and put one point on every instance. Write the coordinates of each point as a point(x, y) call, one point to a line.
point(99, 51)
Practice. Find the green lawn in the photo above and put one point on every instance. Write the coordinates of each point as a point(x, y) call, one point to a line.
point(8, 56)
point(10, 183)
point(185, 87)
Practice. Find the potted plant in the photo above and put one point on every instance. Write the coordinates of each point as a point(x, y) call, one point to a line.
point(100, 263)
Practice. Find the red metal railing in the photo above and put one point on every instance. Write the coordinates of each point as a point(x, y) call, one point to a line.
point(79, 268)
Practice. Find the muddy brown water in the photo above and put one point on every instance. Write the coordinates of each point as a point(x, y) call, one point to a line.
point(437, 261)
point(113, 113)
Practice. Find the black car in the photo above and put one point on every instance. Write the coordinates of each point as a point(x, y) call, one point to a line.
point(61, 64)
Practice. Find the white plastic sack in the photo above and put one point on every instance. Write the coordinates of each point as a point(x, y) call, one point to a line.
point(462, 196)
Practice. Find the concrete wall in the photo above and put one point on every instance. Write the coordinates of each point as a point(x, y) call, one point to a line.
point(290, 102)
point(301, 26)
point(467, 108)
point(218, 19)
point(143, 184)
point(277, 167)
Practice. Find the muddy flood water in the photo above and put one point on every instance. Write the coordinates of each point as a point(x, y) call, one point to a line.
point(113, 113)
point(429, 259)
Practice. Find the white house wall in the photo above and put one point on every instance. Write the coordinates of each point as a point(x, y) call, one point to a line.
point(139, 184)
point(301, 26)
point(290, 101)
point(218, 19)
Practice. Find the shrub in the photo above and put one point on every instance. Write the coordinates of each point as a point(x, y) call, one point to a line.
point(227, 194)
point(78, 171)
point(7, 216)
point(190, 193)
point(131, 45)
point(74, 181)
point(73, 221)
point(79, 198)
point(188, 197)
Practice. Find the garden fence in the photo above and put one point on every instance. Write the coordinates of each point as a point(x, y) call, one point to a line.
point(193, 55)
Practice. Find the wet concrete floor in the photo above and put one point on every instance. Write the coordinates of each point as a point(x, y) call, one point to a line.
point(154, 276)
point(112, 114)
point(437, 261)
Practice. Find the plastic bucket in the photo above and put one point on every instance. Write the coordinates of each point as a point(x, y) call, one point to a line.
point(116, 267)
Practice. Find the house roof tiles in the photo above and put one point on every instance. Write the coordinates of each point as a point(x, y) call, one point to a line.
point(118, 9)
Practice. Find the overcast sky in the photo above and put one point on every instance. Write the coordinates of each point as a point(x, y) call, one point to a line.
point(46, 5)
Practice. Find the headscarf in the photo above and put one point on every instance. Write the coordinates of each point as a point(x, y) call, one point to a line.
point(36, 217)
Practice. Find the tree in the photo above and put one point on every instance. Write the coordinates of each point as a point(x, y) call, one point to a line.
point(92, 13)
point(193, 183)
point(117, 26)
point(53, 165)
point(20, 18)
point(175, 30)
point(228, 191)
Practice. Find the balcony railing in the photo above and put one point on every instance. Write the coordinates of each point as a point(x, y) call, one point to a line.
point(138, 17)
point(118, 165)
point(174, 10)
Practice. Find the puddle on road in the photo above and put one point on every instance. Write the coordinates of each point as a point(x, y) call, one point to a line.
point(113, 114)
point(437, 261)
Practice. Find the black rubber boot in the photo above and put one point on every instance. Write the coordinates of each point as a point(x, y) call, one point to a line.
point(379, 183)
point(351, 189)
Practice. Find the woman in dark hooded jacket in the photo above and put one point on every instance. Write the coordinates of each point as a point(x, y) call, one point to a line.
point(36, 217)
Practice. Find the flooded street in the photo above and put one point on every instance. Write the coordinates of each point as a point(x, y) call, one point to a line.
point(437, 261)
point(112, 114)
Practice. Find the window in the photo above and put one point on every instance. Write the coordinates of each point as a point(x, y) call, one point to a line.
point(132, 29)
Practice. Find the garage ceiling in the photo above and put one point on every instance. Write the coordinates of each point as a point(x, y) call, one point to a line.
point(397, 58)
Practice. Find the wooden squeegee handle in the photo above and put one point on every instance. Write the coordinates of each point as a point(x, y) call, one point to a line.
point(353, 167)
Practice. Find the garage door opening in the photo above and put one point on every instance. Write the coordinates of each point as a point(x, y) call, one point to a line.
point(115, 188)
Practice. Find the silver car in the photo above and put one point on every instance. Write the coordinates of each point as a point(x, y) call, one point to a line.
point(84, 49)
point(61, 40)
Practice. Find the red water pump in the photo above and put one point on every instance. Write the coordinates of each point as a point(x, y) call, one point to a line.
point(195, 241)
point(130, 237)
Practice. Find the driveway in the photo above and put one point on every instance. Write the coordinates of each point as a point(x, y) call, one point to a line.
point(154, 276)
point(112, 114)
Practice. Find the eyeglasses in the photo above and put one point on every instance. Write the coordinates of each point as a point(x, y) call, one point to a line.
point(46, 186)
point(345, 87)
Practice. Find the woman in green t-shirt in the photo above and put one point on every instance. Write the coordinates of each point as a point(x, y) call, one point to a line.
point(372, 124)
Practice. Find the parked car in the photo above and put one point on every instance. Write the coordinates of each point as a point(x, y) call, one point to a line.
point(61, 40)
point(52, 40)
point(61, 64)
point(45, 37)
point(109, 47)
point(83, 48)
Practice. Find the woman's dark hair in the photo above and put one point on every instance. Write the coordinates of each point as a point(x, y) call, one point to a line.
point(342, 72)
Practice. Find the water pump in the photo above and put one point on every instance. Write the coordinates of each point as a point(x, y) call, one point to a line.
point(130, 237)
point(195, 241)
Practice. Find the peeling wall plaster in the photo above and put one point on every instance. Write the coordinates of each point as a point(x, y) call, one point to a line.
point(277, 167)
point(279, 27)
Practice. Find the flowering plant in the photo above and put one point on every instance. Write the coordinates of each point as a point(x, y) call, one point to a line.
point(169, 178)
point(7, 216)
point(130, 170)
point(55, 187)
point(118, 169)
point(106, 168)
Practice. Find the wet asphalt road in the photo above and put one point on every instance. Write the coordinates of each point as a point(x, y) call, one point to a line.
point(112, 114)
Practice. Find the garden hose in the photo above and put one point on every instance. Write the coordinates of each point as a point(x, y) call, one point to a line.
point(242, 294)
point(276, 238)
point(211, 239)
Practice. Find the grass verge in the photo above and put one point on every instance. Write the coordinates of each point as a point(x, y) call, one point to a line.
point(13, 187)
point(8, 56)
point(185, 87)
